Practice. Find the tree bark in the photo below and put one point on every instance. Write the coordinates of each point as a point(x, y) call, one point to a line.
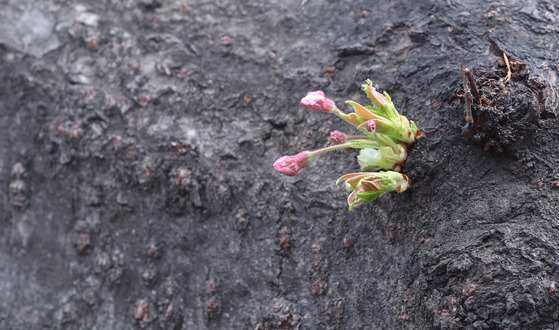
point(136, 144)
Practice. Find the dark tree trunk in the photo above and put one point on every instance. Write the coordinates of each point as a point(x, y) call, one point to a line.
point(136, 144)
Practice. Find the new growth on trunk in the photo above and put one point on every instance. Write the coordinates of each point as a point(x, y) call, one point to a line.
point(386, 136)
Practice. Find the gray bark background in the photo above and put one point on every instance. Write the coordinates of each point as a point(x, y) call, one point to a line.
point(136, 144)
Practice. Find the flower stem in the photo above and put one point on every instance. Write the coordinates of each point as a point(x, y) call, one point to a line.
point(356, 143)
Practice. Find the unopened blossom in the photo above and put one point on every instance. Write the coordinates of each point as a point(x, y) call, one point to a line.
point(371, 125)
point(316, 101)
point(337, 137)
point(291, 165)
point(368, 186)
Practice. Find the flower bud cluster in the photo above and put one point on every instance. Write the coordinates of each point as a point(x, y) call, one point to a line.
point(384, 145)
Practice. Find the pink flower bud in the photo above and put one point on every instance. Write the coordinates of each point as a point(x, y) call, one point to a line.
point(316, 101)
point(291, 165)
point(371, 125)
point(337, 137)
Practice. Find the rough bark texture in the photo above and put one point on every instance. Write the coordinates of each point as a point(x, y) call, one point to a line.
point(136, 143)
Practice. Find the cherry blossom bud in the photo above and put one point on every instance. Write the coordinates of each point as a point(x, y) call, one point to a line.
point(291, 165)
point(316, 101)
point(338, 137)
point(368, 186)
point(371, 125)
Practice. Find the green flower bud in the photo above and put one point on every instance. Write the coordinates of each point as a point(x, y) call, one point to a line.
point(368, 186)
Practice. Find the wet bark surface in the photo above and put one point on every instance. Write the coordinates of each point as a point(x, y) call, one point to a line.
point(137, 191)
